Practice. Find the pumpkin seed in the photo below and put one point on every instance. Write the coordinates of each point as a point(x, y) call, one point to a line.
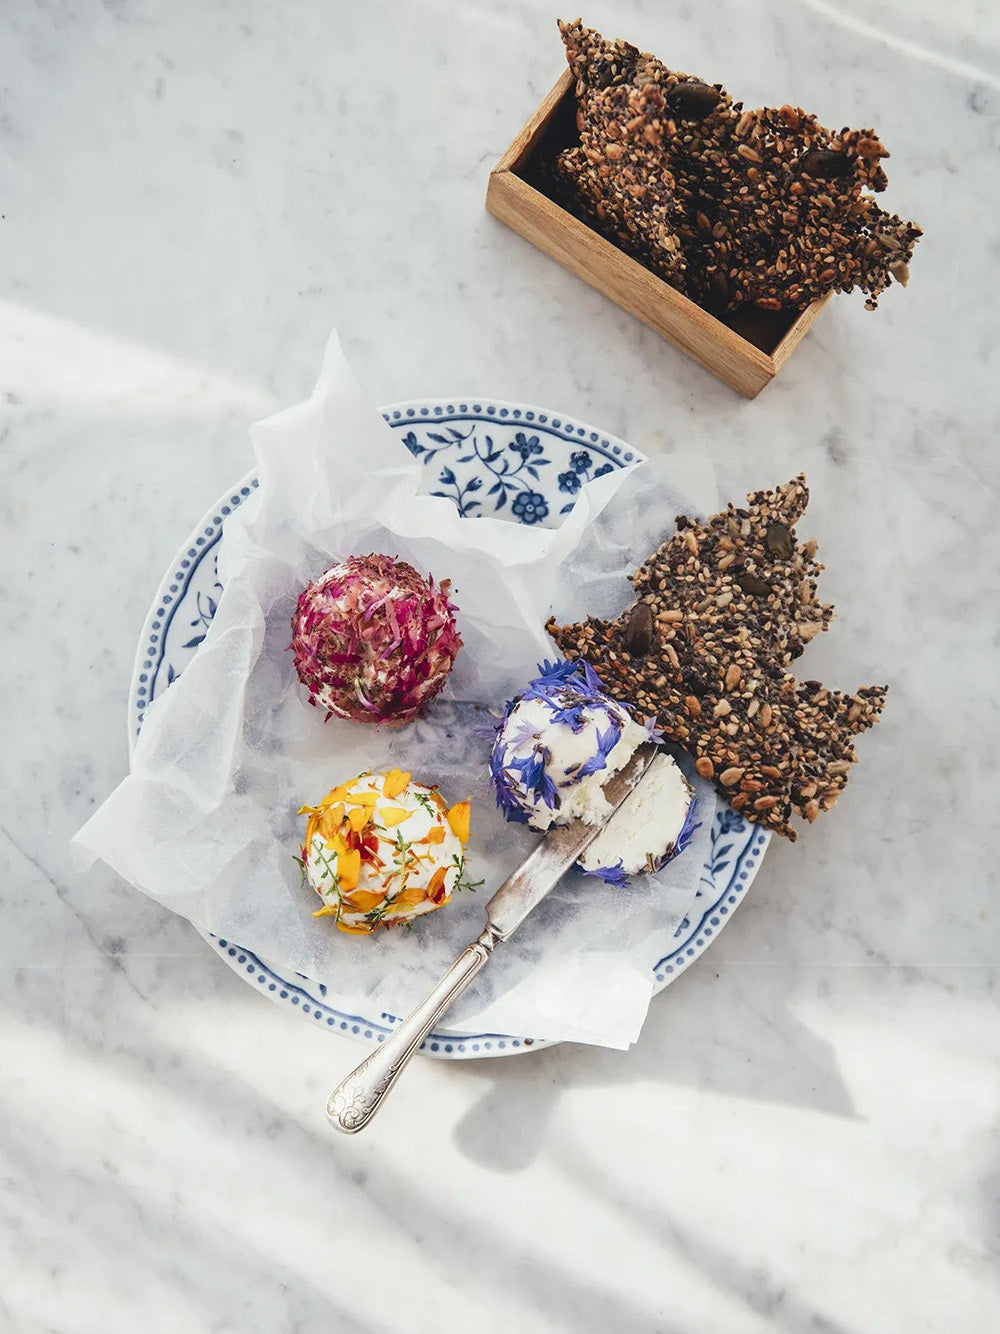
point(753, 584)
point(778, 539)
point(639, 630)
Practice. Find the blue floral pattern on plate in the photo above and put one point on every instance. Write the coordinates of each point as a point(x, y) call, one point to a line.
point(502, 459)
point(518, 463)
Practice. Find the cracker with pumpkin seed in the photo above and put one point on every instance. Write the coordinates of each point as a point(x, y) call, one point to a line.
point(724, 608)
point(732, 206)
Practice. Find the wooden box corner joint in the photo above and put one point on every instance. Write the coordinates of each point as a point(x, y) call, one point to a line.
point(744, 365)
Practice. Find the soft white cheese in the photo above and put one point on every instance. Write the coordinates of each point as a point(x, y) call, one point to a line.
point(530, 725)
point(645, 826)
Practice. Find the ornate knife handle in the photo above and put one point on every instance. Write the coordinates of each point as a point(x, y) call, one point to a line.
point(356, 1099)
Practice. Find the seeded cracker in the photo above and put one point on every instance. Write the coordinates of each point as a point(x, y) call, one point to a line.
point(723, 609)
point(731, 206)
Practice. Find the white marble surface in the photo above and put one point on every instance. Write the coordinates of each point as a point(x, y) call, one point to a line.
point(804, 1139)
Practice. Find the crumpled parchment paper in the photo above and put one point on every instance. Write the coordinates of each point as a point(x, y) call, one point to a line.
point(207, 821)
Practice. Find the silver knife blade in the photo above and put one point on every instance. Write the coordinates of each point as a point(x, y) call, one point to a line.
point(543, 868)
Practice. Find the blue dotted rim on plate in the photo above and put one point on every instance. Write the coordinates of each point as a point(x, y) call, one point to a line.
point(736, 848)
point(487, 410)
point(695, 938)
point(150, 660)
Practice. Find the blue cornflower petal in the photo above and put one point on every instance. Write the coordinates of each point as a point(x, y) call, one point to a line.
point(606, 742)
point(561, 672)
point(611, 875)
point(507, 803)
point(593, 681)
point(652, 731)
point(486, 727)
point(688, 829)
point(555, 673)
point(535, 778)
point(571, 715)
point(523, 735)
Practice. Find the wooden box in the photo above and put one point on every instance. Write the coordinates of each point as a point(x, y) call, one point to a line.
point(747, 353)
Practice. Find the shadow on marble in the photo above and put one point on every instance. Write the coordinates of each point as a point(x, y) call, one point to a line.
point(783, 1312)
point(553, 1289)
point(171, 1248)
point(731, 1034)
point(172, 1235)
point(989, 1203)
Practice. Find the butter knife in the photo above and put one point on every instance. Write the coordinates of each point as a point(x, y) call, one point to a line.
point(356, 1099)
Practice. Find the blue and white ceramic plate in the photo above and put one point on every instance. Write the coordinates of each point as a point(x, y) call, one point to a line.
point(520, 463)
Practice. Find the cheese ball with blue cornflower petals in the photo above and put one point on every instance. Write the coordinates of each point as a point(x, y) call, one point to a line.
point(558, 743)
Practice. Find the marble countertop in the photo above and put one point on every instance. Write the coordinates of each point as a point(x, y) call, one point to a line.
point(804, 1138)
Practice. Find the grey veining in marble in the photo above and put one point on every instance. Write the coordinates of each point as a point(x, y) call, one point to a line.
point(804, 1138)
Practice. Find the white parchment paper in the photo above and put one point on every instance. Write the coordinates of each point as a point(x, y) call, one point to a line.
point(207, 823)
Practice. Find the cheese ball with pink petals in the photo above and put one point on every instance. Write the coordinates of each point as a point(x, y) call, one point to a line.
point(374, 640)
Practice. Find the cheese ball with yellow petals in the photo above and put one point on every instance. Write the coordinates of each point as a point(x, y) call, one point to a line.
point(383, 849)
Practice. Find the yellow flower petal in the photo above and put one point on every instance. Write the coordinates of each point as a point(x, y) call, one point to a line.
point(365, 930)
point(410, 897)
point(435, 890)
point(364, 900)
point(358, 817)
point(361, 798)
point(328, 822)
point(459, 818)
point(348, 869)
point(327, 911)
point(393, 815)
point(395, 781)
